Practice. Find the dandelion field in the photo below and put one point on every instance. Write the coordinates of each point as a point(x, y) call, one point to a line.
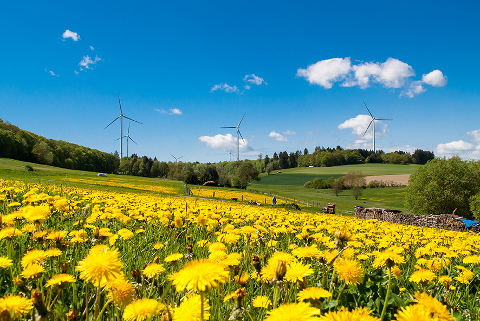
point(78, 253)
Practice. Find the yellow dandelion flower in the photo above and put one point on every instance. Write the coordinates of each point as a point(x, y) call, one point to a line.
point(60, 280)
point(349, 271)
point(101, 264)
point(121, 291)
point(422, 275)
point(142, 309)
point(32, 271)
point(297, 272)
point(9, 232)
point(387, 259)
point(153, 269)
point(261, 302)
point(307, 252)
point(5, 262)
point(125, 234)
point(313, 293)
point(293, 312)
point(18, 304)
point(158, 246)
point(190, 309)
point(217, 246)
point(360, 314)
point(200, 275)
point(173, 257)
point(53, 252)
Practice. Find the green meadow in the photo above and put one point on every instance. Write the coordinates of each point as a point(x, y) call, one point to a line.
point(288, 184)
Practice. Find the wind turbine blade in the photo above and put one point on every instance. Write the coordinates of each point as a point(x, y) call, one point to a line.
point(368, 126)
point(241, 120)
point(368, 110)
point(180, 157)
point(121, 137)
point(383, 118)
point(112, 122)
point(132, 119)
point(132, 140)
point(241, 135)
point(121, 113)
point(128, 133)
point(228, 127)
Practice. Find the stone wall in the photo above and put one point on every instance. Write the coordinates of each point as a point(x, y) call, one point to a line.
point(444, 221)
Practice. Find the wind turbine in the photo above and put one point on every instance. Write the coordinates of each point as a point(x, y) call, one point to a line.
point(373, 121)
point(230, 155)
point(176, 158)
point(127, 136)
point(238, 133)
point(122, 116)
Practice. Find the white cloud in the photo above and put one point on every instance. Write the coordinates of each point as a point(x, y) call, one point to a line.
point(278, 137)
point(70, 34)
point(435, 78)
point(325, 72)
point(475, 134)
point(289, 132)
point(455, 147)
point(360, 123)
point(392, 73)
point(226, 88)
point(254, 80)
point(161, 111)
point(225, 142)
point(50, 72)
point(91, 48)
point(416, 88)
point(86, 62)
point(175, 111)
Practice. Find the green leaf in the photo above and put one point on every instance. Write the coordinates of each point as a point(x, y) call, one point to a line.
point(330, 304)
point(398, 300)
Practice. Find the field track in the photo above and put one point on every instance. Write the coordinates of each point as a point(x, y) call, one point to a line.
point(401, 179)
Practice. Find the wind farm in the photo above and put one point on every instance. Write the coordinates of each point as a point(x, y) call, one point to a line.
point(238, 134)
point(121, 117)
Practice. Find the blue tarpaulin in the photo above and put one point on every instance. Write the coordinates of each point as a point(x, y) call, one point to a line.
point(469, 223)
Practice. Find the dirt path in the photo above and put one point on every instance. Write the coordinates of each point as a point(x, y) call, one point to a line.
point(399, 179)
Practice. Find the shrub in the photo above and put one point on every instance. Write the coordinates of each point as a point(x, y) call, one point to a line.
point(441, 186)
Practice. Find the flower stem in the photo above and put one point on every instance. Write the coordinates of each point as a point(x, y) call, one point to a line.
point(388, 292)
point(202, 299)
point(97, 303)
point(341, 291)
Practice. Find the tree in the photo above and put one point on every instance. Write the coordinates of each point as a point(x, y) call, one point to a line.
point(441, 186)
point(422, 157)
point(356, 191)
point(244, 173)
point(337, 186)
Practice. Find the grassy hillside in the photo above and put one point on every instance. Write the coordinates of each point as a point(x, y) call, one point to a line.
point(288, 184)
point(298, 176)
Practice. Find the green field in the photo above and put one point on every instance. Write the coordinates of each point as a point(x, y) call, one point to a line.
point(298, 176)
point(13, 169)
point(288, 184)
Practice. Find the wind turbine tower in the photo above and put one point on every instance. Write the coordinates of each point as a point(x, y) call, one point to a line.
point(238, 133)
point(121, 117)
point(373, 121)
point(127, 136)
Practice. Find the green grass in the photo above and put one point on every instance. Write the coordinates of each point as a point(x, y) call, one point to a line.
point(299, 175)
point(288, 184)
point(15, 170)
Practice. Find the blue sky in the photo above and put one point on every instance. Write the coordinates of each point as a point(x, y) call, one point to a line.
point(299, 72)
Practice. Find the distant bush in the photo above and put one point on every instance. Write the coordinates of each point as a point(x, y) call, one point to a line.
point(29, 168)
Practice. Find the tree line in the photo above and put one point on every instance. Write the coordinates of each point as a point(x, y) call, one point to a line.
point(23, 145)
point(326, 157)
